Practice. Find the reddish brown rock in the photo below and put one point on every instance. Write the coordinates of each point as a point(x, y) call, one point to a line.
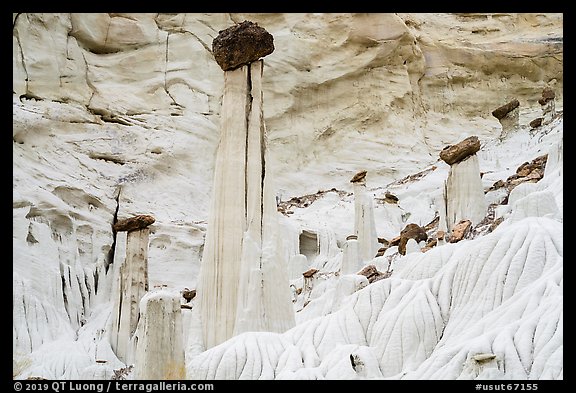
point(502, 111)
point(309, 273)
point(133, 223)
point(460, 231)
point(431, 243)
point(455, 153)
point(530, 170)
point(394, 241)
point(360, 176)
point(372, 274)
point(241, 44)
point(524, 169)
point(411, 231)
point(440, 235)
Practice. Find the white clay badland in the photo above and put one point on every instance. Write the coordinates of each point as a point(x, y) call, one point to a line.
point(129, 123)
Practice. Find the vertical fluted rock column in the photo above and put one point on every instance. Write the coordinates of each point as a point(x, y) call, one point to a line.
point(242, 265)
point(159, 338)
point(464, 192)
point(508, 115)
point(364, 223)
point(132, 283)
point(548, 104)
point(351, 263)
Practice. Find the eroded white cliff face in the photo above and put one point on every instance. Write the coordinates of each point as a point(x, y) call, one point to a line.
point(119, 114)
point(369, 75)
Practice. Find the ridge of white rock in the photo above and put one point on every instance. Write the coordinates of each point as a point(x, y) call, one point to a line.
point(364, 225)
point(490, 291)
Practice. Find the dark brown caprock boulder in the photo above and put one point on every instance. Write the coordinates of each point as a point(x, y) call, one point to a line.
point(455, 153)
point(358, 177)
point(310, 272)
point(241, 44)
point(390, 198)
point(547, 95)
point(537, 122)
point(188, 294)
point(411, 231)
point(502, 111)
point(133, 223)
point(372, 274)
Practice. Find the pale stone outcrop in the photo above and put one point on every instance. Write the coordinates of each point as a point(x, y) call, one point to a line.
point(132, 285)
point(132, 280)
point(243, 282)
point(364, 224)
point(464, 193)
point(351, 262)
point(159, 353)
